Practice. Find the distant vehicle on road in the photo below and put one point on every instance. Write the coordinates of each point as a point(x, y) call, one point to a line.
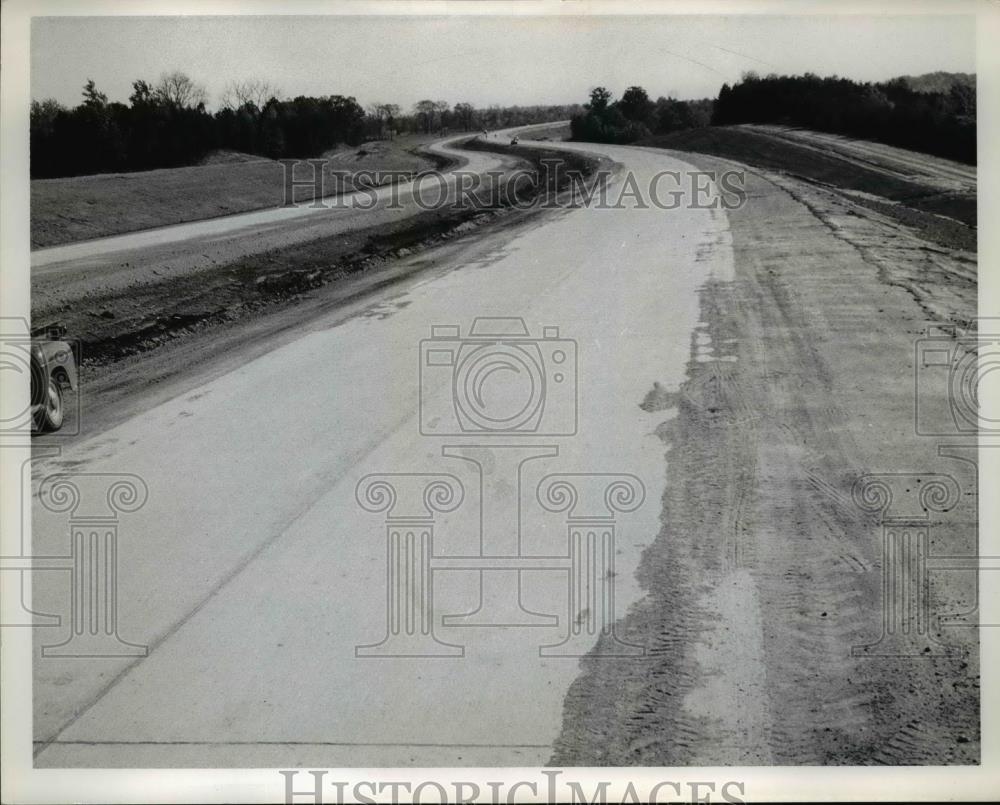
point(513, 140)
point(53, 372)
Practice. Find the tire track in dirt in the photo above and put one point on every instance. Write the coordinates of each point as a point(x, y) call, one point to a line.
point(764, 574)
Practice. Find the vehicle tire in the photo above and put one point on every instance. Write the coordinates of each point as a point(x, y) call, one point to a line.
point(50, 416)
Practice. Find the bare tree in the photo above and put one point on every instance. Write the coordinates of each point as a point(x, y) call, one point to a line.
point(255, 92)
point(391, 112)
point(384, 115)
point(465, 112)
point(441, 107)
point(383, 111)
point(425, 110)
point(179, 90)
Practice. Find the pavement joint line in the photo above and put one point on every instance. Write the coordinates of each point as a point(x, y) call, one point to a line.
point(300, 743)
point(224, 582)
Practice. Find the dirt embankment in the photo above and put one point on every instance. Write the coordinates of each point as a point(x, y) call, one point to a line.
point(766, 574)
point(946, 217)
point(85, 207)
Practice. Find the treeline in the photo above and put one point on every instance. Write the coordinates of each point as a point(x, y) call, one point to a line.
point(387, 120)
point(166, 124)
point(635, 116)
point(941, 122)
point(908, 112)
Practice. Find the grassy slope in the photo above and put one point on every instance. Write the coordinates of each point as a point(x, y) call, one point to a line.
point(918, 205)
point(85, 207)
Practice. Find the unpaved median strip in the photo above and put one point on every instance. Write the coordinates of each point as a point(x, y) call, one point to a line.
point(117, 324)
point(123, 331)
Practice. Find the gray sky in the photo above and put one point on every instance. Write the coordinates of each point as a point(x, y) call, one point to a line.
point(485, 60)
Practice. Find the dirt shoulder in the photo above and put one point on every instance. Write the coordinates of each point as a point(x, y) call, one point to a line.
point(765, 579)
point(86, 207)
point(947, 217)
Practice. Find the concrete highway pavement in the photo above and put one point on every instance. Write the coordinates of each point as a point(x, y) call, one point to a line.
point(252, 573)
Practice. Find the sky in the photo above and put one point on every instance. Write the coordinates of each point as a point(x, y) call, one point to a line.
point(485, 60)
